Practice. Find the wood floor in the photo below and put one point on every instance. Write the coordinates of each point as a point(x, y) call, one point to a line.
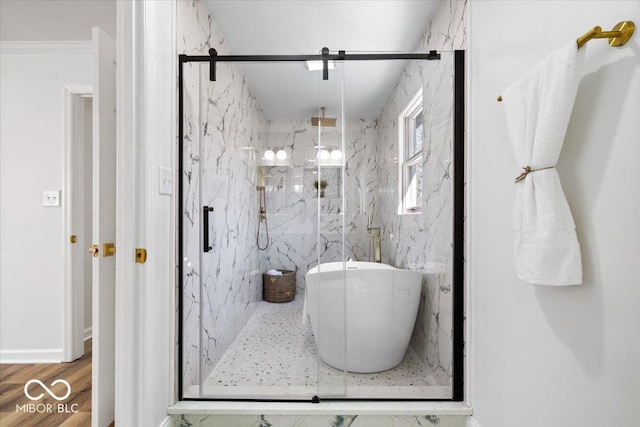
point(13, 378)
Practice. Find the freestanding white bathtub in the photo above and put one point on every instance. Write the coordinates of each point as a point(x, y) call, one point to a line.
point(367, 326)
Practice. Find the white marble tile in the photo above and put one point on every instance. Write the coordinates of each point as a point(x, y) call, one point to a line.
point(293, 203)
point(412, 241)
point(222, 121)
point(191, 223)
point(319, 421)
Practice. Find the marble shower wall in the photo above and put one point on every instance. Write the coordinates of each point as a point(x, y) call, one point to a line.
point(422, 242)
point(292, 199)
point(222, 130)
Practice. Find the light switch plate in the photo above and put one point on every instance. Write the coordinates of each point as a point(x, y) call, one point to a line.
point(51, 198)
point(165, 180)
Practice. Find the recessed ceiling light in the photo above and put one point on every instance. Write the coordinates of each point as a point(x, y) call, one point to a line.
point(317, 65)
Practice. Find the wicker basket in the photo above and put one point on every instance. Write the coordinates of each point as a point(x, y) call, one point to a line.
point(279, 288)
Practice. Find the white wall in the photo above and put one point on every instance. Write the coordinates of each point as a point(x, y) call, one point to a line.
point(556, 356)
point(147, 108)
point(37, 20)
point(31, 240)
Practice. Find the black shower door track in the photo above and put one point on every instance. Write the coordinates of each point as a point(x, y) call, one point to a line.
point(458, 198)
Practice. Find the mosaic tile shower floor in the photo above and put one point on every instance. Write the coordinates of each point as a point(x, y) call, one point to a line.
point(275, 356)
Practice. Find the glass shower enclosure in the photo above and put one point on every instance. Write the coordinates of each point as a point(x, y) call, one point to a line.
point(284, 207)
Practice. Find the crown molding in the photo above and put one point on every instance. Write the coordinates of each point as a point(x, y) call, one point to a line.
point(31, 47)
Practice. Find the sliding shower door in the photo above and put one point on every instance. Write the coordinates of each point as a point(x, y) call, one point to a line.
point(321, 228)
point(231, 276)
point(329, 292)
point(221, 272)
point(191, 215)
point(261, 207)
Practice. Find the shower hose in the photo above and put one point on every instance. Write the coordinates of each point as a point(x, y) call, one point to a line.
point(262, 218)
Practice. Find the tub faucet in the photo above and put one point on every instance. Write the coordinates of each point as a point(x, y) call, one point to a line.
point(375, 232)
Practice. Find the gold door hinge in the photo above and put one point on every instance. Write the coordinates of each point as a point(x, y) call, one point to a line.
point(141, 255)
point(94, 250)
point(72, 238)
point(108, 249)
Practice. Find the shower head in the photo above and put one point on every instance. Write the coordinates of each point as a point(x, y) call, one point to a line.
point(326, 122)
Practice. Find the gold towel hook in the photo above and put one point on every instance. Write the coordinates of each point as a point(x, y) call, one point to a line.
point(618, 36)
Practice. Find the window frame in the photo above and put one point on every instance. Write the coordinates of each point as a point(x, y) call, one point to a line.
point(406, 159)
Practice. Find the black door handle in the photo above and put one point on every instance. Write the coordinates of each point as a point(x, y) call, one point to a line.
point(205, 226)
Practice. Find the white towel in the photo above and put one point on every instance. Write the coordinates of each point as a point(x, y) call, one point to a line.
point(538, 107)
point(274, 273)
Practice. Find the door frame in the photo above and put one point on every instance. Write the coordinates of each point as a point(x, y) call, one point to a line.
point(74, 98)
point(145, 293)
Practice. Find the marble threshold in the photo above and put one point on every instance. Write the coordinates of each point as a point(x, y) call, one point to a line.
point(322, 408)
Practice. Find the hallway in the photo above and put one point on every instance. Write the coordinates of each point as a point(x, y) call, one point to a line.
point(13, 378)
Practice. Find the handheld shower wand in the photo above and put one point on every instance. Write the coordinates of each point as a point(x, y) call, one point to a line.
point(262, 216)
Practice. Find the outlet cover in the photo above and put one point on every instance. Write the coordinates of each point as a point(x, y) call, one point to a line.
point(51, 198)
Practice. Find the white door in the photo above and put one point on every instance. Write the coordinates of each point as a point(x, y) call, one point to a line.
point(104, 228)
point(78, 178)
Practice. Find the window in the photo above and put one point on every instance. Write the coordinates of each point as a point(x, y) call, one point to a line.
point(411, 135)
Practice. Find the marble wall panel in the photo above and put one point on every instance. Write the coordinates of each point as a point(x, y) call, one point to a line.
point(223, 121)
point(191, 225)
point(293, 202)
point(423, 241)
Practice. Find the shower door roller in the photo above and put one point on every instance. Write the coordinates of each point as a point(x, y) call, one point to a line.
point(205, 228)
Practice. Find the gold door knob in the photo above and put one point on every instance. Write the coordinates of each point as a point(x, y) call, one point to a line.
point(94, 250)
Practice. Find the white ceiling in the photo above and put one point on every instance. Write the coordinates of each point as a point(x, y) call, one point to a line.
point(55, 20)
point(289, 90)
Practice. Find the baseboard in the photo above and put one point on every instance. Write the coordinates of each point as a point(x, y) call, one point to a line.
point(471, 422)
point(31, 356)
point(167, 422)
point(87, 333)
